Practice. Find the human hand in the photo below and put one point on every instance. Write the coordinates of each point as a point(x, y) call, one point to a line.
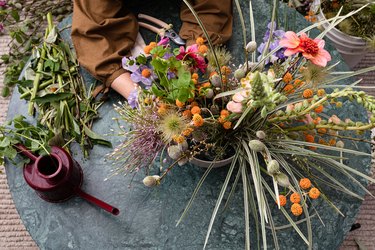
point(123, 85)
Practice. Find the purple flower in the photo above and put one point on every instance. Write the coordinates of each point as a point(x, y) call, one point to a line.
point(274, 43)
point(133, 99)
point(137, 77)
point(171, 75)
point(3, 4)
point(129, 63)
point(167, 55)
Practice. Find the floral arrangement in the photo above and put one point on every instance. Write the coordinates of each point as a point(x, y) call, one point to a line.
point(269, 116)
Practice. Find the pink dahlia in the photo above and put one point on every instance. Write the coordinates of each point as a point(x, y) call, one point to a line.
point(192, 53)
point(312, 50)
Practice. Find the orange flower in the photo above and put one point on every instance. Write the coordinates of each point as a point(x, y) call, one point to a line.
point(332, 142)
point(178, 139)
point(305, 183)
point(321, 92)
point(187, 113)
point(224, 113)
point(206, 85)
point(298, 83)
point(295, 198)
point(187, 132)
point(289, 89)
point(314, 193)
point(199, 41)
point(194, 81)
point(195, 110)
point(319, 109)
point(147, 49)
point(198, 120)
point(162, 110)
point(296, 209)
point(195, 76)
point(179, 104)
point(227, 125)
point(222, 119)
point(308, 93)
point(226, 70)
point(146, 73)
point(282, 199)
point(202, 49)
point(309, 138)
point(312, 50)
point(288, 77)
point(322, 131)
point(322, 141)
point(317, 120)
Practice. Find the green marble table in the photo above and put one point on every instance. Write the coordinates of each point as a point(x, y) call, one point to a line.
point(148, 216)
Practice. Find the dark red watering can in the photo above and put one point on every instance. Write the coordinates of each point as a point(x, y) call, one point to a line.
point(57, 177)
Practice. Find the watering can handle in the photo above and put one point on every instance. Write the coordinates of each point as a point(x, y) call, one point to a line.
point(26, 152)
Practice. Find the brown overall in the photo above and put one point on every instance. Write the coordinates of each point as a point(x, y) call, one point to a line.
point(103, 31)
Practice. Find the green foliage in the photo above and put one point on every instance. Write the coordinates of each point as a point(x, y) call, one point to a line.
point(19, 131)
point(25, 32)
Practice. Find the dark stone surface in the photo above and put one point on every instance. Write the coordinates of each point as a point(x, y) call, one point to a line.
point(148, 216)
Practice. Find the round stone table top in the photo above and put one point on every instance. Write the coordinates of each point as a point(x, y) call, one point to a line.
point(148, 217)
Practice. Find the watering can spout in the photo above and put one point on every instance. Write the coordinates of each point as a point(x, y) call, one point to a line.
point(26, 152)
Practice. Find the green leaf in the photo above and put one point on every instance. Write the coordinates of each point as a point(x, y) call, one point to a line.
point(15, 15)
point(160, 65)
point(156, 91)
point(97, 138)
point(10, 152)
point(55, 97)
point(5, 142)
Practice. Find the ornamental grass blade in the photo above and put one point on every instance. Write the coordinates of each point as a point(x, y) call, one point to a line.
point(243, 27)
point(246, 206)
point(220, 198)
point(203, 178)
point(252, 28)
point(233, 188)
point(271, 29)
point(272, 224)
point(357, 72)
point(284, 143)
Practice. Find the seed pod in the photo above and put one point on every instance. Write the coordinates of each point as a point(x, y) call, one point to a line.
point(282, 180)
point(151, 181)
point(257, 145)
point(174, 152)
point(183, 161)
point(273, 167)
point(183, 146)
point(340, 144)
point(215, 80)
point(260, 134)
point(251, 46)
point(209, 93)
point(239, 74)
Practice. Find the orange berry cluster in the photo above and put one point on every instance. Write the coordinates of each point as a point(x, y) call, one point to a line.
point(149, 47)
point(295, 198)
point(201, 47)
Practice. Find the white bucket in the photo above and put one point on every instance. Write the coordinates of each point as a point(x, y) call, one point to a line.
point(351, 48)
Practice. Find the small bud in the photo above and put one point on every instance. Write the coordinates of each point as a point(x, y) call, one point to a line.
point(239, 74)
point(151, 181)
point(183, 146)
point(257, 145)
point(282, 180)
point(251, 46)
point(209, 93)
point(215, 80)
point(340, 144)
point(174, 152)
point(260, 134)
point(273, 167)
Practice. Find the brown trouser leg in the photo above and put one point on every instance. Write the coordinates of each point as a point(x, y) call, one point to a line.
point(103, 31)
